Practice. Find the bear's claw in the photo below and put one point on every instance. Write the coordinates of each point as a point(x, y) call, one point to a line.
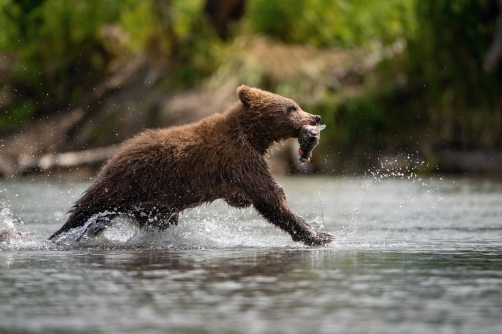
point(320, 239)
point(316, 239)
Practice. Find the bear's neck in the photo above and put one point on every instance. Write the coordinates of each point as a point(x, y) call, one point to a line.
point(252, 129)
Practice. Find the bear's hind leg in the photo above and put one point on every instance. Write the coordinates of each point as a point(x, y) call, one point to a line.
point(99, 224)
point(154, 216)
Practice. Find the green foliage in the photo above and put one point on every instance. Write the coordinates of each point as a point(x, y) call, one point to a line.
point(51, 30)
point(451, 40)
point(350, 125)
point(328, 23)
point(446, 56)
point(20, 113)
point(198, 44)
point(59, 53)
point(57, 50)
point(137, 20)
point(448, 99)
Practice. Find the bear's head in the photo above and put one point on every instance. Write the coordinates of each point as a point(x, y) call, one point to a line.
point(272, 117)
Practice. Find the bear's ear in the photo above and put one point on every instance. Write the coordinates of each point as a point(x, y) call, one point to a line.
point(247, 95)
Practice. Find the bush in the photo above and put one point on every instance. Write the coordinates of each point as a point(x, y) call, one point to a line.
point(57, 49)
point(446, 56)
point(327, 23)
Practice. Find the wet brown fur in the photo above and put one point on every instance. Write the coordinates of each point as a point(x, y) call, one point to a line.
point(163, 172)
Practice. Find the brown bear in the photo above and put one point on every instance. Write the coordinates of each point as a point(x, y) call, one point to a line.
point(159, 173)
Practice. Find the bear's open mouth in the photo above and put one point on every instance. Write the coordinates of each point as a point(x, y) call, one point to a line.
point(306, 121)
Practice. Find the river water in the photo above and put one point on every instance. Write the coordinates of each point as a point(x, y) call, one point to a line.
point(413, 255)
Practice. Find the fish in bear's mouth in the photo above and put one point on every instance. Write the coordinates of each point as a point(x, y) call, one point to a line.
point(308, 140)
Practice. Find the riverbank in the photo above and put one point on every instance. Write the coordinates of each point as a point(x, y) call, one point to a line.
point(391, 80)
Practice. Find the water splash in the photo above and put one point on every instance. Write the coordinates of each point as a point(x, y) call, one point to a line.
point(405, 168)
point(386, 207)
point(7, 229)
point(9, 233)
point(197, 230)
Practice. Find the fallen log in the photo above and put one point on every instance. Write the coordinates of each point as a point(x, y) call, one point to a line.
point(50, 161)
point(74, 159)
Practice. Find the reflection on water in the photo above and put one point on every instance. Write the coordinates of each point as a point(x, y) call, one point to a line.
point(412, 256)
point(252, 291)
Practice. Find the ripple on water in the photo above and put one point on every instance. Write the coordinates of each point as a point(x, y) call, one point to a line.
point(410, 257)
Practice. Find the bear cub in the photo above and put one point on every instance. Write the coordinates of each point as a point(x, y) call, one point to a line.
point(159, 173)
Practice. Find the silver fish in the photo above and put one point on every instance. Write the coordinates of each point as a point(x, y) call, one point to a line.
point(308, 140)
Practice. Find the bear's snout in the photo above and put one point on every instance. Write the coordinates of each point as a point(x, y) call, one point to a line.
point(313, 120)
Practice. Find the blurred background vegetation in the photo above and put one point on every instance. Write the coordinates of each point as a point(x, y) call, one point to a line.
point(390, 78)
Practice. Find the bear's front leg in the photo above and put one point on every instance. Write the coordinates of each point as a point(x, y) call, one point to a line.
point(295, 225)
point(269, 200)
point(309, 237)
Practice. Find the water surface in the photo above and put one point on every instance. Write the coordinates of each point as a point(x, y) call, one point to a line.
point(413, 255)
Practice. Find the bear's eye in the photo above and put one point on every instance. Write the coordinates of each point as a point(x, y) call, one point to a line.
point(291, 108)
